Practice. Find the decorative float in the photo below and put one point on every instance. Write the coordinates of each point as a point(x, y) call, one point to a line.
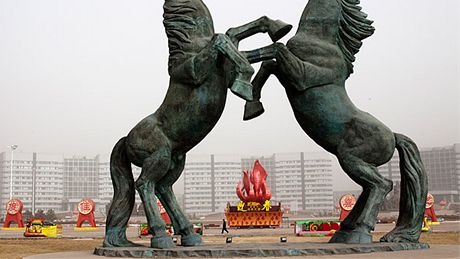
point(40, 228)
point(429, 209)
point(316, 228)
point(254, 208)
point(14, 214)
point(347, 202)
point(430, 215)
point(86, 209)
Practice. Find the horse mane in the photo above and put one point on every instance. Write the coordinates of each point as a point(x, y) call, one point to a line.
point(353, 28)
point(178, 22)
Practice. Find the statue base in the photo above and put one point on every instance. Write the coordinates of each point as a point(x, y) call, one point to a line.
point(258, 250)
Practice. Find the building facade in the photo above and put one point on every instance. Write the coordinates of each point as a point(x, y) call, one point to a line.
point(210, 183)
point(80, 180)
point(301, 181)
point(304, 181)
point(37, 180)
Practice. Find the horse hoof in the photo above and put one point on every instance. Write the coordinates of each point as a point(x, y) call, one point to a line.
point(252, 110)
point(242, 89)
point(400, 237)
point(162, 242)
point(191, 240)
point(351, 237)
point(111, 242)
point(278, 29)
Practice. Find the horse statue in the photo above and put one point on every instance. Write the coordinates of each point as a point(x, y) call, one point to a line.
point(202, 65)
point(313, 67)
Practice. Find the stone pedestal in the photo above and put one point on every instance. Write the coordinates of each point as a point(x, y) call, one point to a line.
point(258, 250)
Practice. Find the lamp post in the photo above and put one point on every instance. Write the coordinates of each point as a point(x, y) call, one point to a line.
point(13, 147)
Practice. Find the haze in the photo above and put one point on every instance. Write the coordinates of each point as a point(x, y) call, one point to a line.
point(75, 76)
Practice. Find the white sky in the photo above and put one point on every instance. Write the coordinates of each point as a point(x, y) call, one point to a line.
point(75, 76)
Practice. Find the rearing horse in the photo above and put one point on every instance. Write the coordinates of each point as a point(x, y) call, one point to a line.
point(313, 68)
point(202, 65)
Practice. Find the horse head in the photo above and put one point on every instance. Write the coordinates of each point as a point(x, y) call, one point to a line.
point(337, 25)
point(189, 27)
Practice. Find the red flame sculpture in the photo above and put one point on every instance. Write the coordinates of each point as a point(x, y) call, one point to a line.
point(259, 191)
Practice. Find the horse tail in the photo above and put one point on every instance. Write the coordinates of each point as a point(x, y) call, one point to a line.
point(414, 189)
point(124, 193)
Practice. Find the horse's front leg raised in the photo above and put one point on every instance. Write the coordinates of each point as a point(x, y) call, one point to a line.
point(253, 109)
point(275, 29)
point(242, 84)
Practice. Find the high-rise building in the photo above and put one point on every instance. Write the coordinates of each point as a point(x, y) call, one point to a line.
point(302, 181)
point(81, 180)
point(210, 183)
point(37, 180)
point(442, 166)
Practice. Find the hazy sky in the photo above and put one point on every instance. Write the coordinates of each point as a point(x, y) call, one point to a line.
point(75, 76)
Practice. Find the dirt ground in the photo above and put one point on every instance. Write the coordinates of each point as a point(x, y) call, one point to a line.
point(13, 249)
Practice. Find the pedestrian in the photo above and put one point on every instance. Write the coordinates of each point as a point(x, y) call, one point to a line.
point(224, 226)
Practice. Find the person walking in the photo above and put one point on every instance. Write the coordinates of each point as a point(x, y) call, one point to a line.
point(224, 226)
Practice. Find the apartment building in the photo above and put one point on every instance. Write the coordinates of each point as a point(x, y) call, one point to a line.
point(302, 181)
point(210, 182)
point(36, 180)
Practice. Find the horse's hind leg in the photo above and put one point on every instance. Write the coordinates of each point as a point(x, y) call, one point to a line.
point(361, 220)
point(164, 192)
point(276, 29)
point(153, 169)
point(123, 198)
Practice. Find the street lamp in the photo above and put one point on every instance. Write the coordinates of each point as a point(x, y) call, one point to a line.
point(13, 147)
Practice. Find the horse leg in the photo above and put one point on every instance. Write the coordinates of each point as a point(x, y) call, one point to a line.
point(276, 30)
point(253, 109)
point(242, 84)
point(361, 220)
point(153, 169)
point(123, 198)
point(164, 192)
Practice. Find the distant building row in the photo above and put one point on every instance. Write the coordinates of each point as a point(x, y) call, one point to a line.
point(300, 181)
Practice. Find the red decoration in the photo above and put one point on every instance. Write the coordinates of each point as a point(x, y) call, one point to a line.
point(86, 212)
point(429, 208)
point(14, 213)
point(347, 202)
point(164, 214)
point(254, 209)
point(259, 191)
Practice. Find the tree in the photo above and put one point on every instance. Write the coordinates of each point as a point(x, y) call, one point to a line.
point(50, 215)
point(27, 215)
point(40, 214)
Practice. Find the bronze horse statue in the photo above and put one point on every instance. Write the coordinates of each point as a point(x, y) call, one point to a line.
point(313, 67)
point(202, 65)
